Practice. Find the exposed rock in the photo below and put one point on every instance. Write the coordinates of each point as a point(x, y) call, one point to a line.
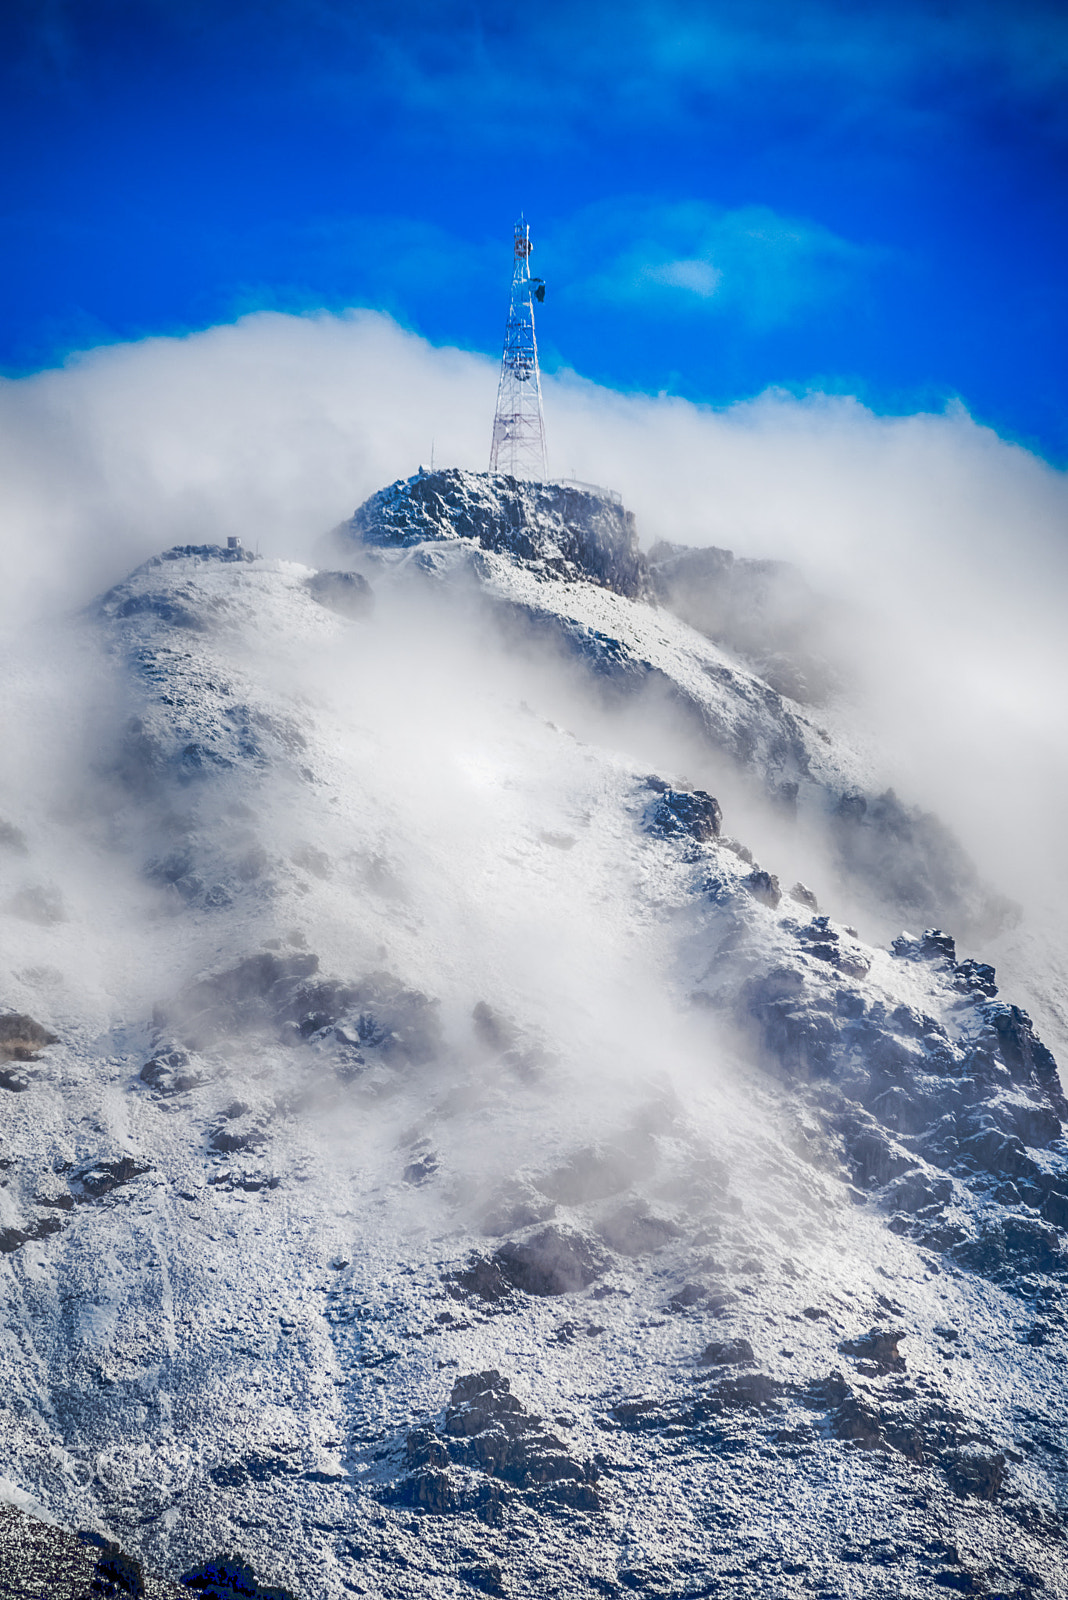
point(933, 945)
point(164, 1073)
point(856, 1422)
point(877, 1349)
point(763, 886)
point(93, 1183)
point(571, 531)
point(226, 1143)
point(115, 1574)
point(761, 610)
point(21, 1037)
point(226, 1576)
point(691, 1294)
point(551, 1262)
point(486, 1577)
point(974, 977)
point(347, 593)
point(973, 1472)
point(804, 896)
point(482, 1278)
point(684, 812)
point(487, 1429)
point(726, 1353)
point(11, 1239)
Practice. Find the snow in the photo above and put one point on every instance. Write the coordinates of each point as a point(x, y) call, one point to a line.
point(229, 1350)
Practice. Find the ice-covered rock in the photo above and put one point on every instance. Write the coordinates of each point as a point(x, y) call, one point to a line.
point(565, 529)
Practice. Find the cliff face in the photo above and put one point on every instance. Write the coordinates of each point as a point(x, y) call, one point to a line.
point(442, 1154)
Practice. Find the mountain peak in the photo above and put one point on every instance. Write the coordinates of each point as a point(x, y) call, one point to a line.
point(573, 530)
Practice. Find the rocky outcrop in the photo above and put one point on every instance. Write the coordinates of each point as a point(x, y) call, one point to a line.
point(39, 1559)
point(549, 1262)
point(762, 611)
point(567, 530)
point(503, 1447)
point(347, 593)
point(691, 812)
point(21, 1037)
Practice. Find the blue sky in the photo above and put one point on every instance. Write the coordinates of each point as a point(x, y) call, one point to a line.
point(724, 196)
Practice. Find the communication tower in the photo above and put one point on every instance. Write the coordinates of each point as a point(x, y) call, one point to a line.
point(519, 427)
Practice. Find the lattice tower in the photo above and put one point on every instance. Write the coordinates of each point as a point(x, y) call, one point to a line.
point(519, 426)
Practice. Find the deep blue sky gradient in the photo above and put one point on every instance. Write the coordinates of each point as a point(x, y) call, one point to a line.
point(723, 195)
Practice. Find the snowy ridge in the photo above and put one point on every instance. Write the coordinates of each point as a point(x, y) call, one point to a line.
point(907, 861)
point(491, 1178)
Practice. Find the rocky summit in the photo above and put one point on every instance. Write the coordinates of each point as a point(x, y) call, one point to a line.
point(500, 1095)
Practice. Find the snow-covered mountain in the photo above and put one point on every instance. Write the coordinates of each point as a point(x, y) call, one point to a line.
point(465, 1128)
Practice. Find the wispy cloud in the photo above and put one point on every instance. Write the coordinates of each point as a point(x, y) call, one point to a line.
point(680, 258)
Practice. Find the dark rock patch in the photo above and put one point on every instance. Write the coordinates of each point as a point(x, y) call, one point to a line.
point(347, 593)
point(552, 1262)
point(21, 1037)
point(856, 1422)
point(726, 1353)
point(486, 1577)
point(223, 1142)
point(12, 1239)
point(229, 1576)
point(975, 1473)
point(165, 1073)
point(115, 1575)
point(684, 813)
point(877, 1349)
point(482, 1278)
point(975, 977)
point(1026, 1057)
point(421, 1168)
point(763, 886)
point(691, 1294)
point(487, 1430)
point(93, 1183)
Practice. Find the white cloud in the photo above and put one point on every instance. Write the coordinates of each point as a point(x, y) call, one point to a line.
point(944, 543)
point(762, 267)
point(695, 275)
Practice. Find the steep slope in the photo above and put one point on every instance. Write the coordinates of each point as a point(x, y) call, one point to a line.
point(901, 863)
point(481, 1173)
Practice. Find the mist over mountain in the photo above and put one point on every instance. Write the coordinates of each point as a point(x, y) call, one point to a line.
point(513, 1079)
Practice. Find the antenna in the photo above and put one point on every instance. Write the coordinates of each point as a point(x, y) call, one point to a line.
point(518, 444)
